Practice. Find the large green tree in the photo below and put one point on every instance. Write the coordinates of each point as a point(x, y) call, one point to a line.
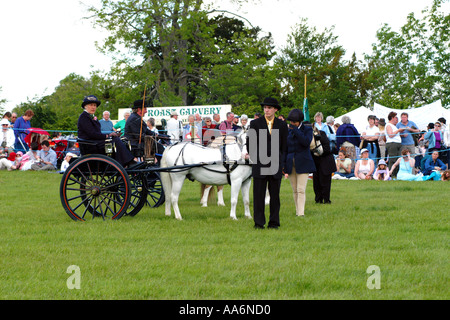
point(411, 67)
point(333, 85)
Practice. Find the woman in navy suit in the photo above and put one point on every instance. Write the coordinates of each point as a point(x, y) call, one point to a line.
point(89, 129)
point(299, 162)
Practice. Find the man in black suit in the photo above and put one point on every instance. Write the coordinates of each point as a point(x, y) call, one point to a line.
point(136, 129)
point(267, 146)
point(89, 129)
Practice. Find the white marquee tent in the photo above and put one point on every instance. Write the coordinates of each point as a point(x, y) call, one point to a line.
point(421, 116)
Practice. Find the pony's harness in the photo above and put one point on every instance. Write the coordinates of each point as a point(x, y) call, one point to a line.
point(228, 165)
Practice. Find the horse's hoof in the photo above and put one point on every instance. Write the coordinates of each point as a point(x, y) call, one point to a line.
point(221, 204)
point(234, 218)
point(204, 205)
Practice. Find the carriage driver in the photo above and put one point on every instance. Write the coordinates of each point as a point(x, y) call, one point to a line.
point(89, 129)
point(136, 129)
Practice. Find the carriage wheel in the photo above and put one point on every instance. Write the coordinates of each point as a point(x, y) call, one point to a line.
point(138, 194)
point(96, 186)
point(155, 196)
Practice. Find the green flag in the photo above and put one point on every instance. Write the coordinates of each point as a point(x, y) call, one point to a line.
point(305, 109)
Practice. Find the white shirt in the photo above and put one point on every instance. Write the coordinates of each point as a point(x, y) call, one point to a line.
point(10, 138)
point(174, 129)
point(396, 138)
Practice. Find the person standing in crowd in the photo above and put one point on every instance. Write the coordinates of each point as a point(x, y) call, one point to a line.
point(407, 136)
point(332, 137)
point(244, 122)
point(318, 118)
point(227, 125)
point(89, 129)
point(446, 137)
point(7, 138)
point(151, 124)
point(174, 128)
point(325, 166)
point(120, 125)
point(47, 158)
point(299, 162)
point(393, 141)
point(13, 119)
point(20, 130)
point(382, 138)
point(106, 124)
point(347, 133)
point(216, 119)
point(268, 132)
point(207, 131)
point(369, 139)
point(192, 130)
point(434, 137)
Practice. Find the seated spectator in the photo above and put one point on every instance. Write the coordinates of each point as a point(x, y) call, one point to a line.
point(47, 158)
point(16, 163)
point(364, 167)
point(30, 157)
point(65, 164)
point(7, 137)
point(6, 161)
point(406, 170)
point(344, 166)
point(445, 175)
point(382, 172)
point(433, 164)
point(120, 125)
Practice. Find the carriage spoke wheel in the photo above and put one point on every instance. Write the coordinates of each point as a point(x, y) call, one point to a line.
point(138, 194)
point(155, 191)
point(95, 186)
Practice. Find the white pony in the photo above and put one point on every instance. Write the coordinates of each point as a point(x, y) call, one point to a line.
point(210, 166)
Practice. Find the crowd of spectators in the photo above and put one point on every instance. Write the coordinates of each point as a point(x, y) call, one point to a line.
point(386, 150)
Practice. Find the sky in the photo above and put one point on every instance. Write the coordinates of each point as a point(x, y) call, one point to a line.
point(41, 42)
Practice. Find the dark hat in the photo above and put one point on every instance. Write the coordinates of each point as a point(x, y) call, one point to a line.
point(295, 115)
point(271, 102)
point(139, 103)
point(90, 99)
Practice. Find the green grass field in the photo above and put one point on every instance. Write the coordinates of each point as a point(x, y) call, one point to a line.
point(400, 227)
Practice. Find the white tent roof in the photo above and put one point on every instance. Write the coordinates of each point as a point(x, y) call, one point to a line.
point(358, 118)
point(421, 116)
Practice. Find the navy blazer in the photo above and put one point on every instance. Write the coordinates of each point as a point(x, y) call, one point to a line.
point(299, 140)
point(261, 124)
point(88, 128)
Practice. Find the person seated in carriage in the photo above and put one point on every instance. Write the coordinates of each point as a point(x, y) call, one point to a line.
point(89, 130)
point(136, 129)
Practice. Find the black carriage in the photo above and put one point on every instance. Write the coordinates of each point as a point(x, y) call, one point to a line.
point(96, 185)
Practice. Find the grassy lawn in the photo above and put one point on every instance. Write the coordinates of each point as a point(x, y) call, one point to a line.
point(401, 227)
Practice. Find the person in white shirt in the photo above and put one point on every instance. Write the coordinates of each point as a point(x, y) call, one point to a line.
point(393, 141)
point(370, 137)
point(174, 128)
point(7, 137)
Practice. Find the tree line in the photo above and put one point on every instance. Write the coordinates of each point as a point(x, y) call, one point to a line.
point(180, 52)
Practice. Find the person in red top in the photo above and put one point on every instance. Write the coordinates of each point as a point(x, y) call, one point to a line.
point(209, 126)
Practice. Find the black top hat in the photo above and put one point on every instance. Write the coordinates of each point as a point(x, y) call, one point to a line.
point(295, 115)
point(271, 102)
point(90, 99)
point(139, 104)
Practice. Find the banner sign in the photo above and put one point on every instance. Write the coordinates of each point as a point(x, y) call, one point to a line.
point(183, 112)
